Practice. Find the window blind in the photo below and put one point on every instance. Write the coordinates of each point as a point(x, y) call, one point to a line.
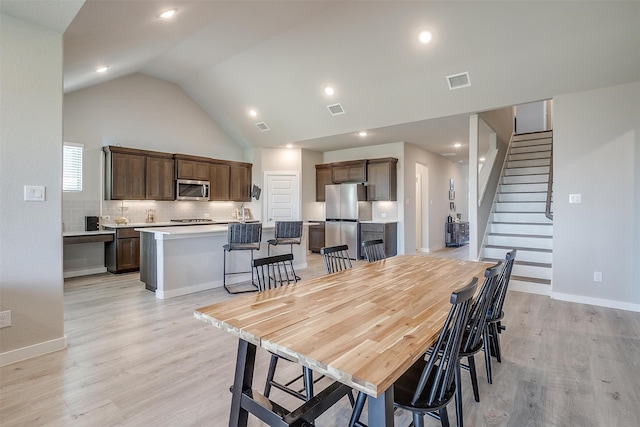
point(72, 166)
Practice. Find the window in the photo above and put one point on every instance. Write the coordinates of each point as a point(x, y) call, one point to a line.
point(72, 166)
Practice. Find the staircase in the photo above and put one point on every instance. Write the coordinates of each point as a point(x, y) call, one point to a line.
point(519, 219)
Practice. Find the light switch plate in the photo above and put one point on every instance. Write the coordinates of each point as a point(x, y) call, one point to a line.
point(34, 193)
point(575, 198)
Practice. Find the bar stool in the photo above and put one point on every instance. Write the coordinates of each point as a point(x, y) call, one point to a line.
point(241, 237)
point(286, 233)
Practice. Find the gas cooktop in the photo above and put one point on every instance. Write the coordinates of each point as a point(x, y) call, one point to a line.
point(192, 220)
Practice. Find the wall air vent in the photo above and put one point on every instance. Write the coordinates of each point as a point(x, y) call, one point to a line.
point(448, 154)
point(458, 81)
point(335, 109)
point(262, 126)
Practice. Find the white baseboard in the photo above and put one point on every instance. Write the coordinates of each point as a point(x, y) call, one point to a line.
point(529, 287)
point(600, 302)
point(31, 351)
point(85, 272)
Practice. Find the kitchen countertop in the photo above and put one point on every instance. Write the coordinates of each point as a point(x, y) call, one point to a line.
point(187, 230)
point(171, 224)
point(378, 221)
point(86, 233)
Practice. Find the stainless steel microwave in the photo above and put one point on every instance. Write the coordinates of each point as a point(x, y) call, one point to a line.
point(188, 189)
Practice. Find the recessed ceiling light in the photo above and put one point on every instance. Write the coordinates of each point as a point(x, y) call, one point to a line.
point(362, 133)
point(425, 37)
point(289, 145)
point(101, 69)
point(167, 13)
point(457, 145)
point(481, 159)
point(329, 91)
point(253, 113)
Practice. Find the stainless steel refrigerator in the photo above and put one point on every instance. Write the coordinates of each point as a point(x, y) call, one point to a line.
point(345, 207)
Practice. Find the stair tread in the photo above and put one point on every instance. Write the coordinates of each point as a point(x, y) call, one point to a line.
point(531, 279)
point(524, 223)
point(526, 192)
point(523, 201)
point(539, 236)
point(521, 212)
point(528, 263)
point(520, 248)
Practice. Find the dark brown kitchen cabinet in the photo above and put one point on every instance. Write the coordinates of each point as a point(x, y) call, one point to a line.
point(125, 174)
point(123, 254)
point(351, 171)
point(323, 177)
point(160, 182)
point(316, 237)
point(219, 175)
point(240, 182)
point(382, 181)
point(192, 167)
point(387, 231)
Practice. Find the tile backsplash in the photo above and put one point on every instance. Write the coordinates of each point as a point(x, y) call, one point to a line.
point(74, 211)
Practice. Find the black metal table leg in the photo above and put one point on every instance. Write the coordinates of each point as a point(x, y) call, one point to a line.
point(381, 409)
point(243, 380)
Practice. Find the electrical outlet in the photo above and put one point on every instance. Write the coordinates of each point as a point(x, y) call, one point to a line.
point(5, 318)
point(383, 215)
point(597, 276)
point(206, 215)
point(105, 217)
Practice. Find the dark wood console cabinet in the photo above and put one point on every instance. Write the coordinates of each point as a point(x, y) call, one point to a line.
point(456, 233)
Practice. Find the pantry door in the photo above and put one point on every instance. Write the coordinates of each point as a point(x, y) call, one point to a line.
point(282, 196)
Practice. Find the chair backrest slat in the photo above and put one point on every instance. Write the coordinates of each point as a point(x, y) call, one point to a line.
point(480, 307)
point(243, 233)
point(336, 258)
point(373, 250)
point(274, 271)
point(444, 355)
point(495, 311)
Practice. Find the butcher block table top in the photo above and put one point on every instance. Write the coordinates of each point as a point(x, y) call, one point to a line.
point(364, 326)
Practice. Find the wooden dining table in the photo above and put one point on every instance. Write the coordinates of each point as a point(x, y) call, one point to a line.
point(362, 327)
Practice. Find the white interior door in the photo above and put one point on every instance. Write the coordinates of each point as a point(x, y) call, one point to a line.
point(282, 196)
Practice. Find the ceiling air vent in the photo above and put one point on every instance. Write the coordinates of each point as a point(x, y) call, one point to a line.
point(335, 109)
point(262, 126)
point(448, 154)
point(457, 81)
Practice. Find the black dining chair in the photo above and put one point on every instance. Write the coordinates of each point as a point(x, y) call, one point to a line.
point(373, 250)
point(273, 272)
point(472, 341)
point(336, 258)
point(428, 386)
point(495, 315)
point(241, 237)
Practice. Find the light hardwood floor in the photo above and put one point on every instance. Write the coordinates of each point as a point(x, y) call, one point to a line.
point(134, 360)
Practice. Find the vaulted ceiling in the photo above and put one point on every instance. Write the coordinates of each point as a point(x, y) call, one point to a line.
point(277, 56)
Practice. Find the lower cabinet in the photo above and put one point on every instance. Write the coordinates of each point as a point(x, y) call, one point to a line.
point(316, 237)
point(456, 233)
point(387, 231)
point(123, 254)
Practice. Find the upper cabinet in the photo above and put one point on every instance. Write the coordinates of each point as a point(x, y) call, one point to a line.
point(132, 174)
point(382, 183)
point(352, 171)
point(191, 167)
point(379, 174)
point(219, 175)
point(323, 177)
point(240, 182)
point(125, 173)
point(160, 183)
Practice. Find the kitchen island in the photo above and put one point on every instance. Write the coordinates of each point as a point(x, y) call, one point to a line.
point(181, 260)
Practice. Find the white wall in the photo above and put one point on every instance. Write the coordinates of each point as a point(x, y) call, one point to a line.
point(31, 284)
point(597, 155)
point(311, 210)
point(441, 170)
